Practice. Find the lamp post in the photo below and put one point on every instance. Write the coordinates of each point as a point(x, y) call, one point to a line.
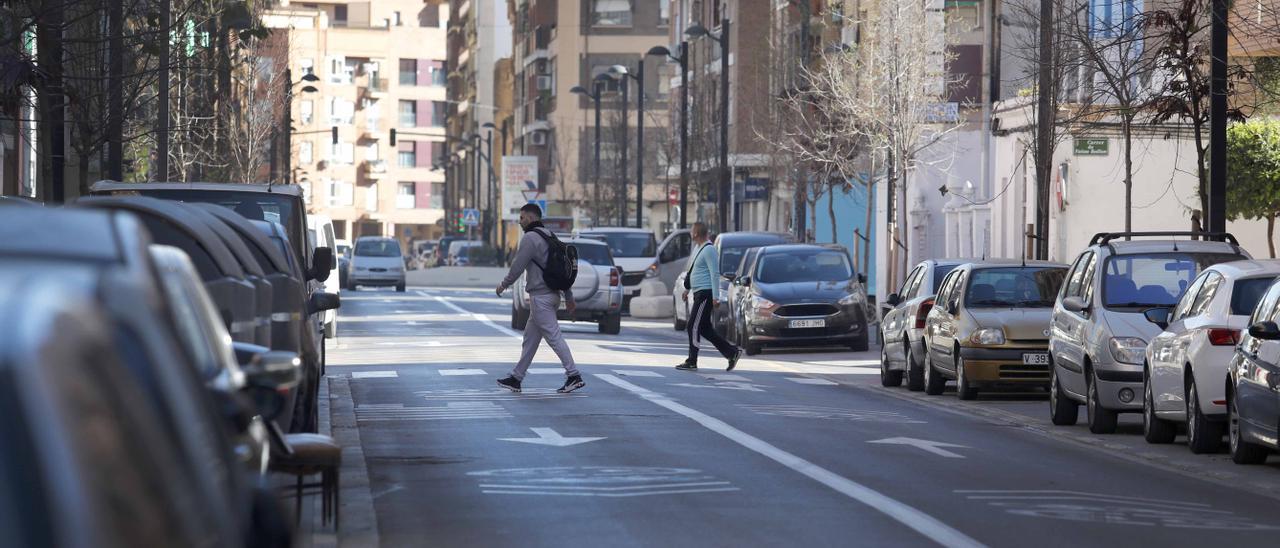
point(620, 70)
point(595, 98)
point(489, 205)
point(287, 157)
point(696, 31)
point(683, 59)
point(622, 193)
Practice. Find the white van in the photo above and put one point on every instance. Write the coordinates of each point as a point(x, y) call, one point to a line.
point(322, 226)
point(640, 255)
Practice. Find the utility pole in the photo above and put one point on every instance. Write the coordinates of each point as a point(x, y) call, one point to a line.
point(1044, 128)
point(802, 181)
point(115, 92)
point(1216, 217)
point(52, 101)
point(684, 134)
point(725, 177)
point(640, 143)
point(622, 189)
point(162, 98)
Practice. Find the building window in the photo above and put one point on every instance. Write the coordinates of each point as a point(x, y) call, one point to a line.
point(405, 196)
point(612, 13)
point(341, 193)
point(437, 195)
point(371, 197)
point(339, 71)
point(340, 15)
point(408, 72)
point(438, 75)
point(371, 152)
point(342, 153)
point(430, 17)
point(437, 113)
point(306, 112)
point(305, 155)
point(408, 113)
point(608, 85)
point(306, 66)
point(664, 13)
point(395, 18)
point(408, 158)
point(372, 114)
point(341, 112)
point(964, 15)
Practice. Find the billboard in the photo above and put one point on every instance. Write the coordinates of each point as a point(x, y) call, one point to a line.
point(519, 179)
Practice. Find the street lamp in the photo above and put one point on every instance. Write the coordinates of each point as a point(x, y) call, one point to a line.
point(289, 84)
point(698, 31)
point(595, 98)
point(488, 153)
point(683, 59)
point(619, 73)
point(620, 70)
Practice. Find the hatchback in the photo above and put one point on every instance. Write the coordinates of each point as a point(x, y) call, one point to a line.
point(376, 261)
point(902, 327)
point(1253, 385)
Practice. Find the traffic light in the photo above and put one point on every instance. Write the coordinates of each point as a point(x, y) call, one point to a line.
point(334, 132)
point(462, 227)
point(393, 136)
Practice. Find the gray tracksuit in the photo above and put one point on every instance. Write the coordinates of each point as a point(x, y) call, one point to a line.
point(543, 303)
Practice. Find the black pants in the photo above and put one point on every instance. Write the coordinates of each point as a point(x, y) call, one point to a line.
point(700, 327)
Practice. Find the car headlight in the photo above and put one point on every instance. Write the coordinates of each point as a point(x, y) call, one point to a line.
point(1130, 350)
point(652, 271)
point(850, 299)
point(988, 335)
point(395, 269)
point(761, 303)
point(361, 268)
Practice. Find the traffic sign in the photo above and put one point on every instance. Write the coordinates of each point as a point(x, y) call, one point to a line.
point(673, 196)
point(542, 205)
point(471, 216)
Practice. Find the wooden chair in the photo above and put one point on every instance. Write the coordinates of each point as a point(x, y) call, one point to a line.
point(312, 454)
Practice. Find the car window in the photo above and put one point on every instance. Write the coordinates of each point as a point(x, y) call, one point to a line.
point(1075, 279)
point(1090, 273)
point(1014, 287)
point(939, 273)
point(1184, 304)
point(957, 286)
point(678, 248)
point(1204, 297)
point(1145, 280)
point(1246, 294)
point(804, 266)
point(594, 255)
point(191, 333)
point(258, 206)
point(378, 248)
point(748, 261)
point(1267, 305)
point(630, 244)
point(944, 292)
point(905, 291)
point(914, 290)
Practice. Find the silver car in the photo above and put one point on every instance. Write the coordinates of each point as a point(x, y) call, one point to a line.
point(902, 329)
point(1099, 332)
point(597, 291)
point(376, 261)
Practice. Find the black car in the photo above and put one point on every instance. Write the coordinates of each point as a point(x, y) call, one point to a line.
point(803, 294)
point(1253, 385)
point(731, 247)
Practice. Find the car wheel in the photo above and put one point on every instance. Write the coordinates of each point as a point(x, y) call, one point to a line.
point(888, 377)
point(400, 287)
point(1242, 452)
point(519, 318)
point(860, 343)
point(1154, 429)
point(676, 322)
point(1062, 411)
point(965, 390)
point(331, 329)
point(934, 382)
point(1203, 435)
point(915, 375)
point(1101, 419)
point(611, 324)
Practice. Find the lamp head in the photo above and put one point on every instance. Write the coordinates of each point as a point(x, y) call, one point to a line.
point(488, 125)
point(579, 90)
point(602, 77)
point(696, 31)
point(658, 50)
point(310, 77)
point(619, 70)
point(309, 89)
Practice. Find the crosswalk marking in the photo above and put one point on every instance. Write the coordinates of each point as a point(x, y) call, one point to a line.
point(546, 370)
point(374, 374)
point(724, 377)
point(632, 373)
point(451, 411)
point(461, 372)
point(816, 382)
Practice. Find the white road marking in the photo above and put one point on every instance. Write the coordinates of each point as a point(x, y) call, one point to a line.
point(623, 488)
point(548, 436)
point(847, 363)
point(374, 374)
point(612, 495)
point(912, 518)
point(935, 447)
point(815, 382)
point(631, 373)
point(461, 372)
point(829, 413)
point(724, 377)
point(452, 411)
point(744, 386)
point(480, 317)
point(546, 370)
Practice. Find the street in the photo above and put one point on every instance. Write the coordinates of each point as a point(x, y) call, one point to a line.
point(795, 447)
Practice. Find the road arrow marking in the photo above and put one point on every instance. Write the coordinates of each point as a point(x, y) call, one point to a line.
point(935, 447)
point(547, 436)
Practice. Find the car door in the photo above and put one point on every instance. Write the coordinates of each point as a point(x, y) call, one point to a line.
point(895, 320)
point(1066, 340)
point(1257, 398)
point(671, 257)
point(933, 336)
point(948, 320)
point(740, 288)
point(1164, 368)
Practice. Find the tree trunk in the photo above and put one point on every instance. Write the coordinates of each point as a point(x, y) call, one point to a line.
point(82, 172)
point(1271, 235)
point(831, 212)
point(1126, 126)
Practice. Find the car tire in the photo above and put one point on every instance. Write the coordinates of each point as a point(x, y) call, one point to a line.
point(915, 375)
point(1203, 435)
point(1154, 428)
point(861, 343)
point(400, 287)
point(519, 318)
point(1062, 411)
point(610, 325)
point(934, 382)
point(1101, 420)
point(331, 329)
point(1242, 452)
point(888, 377)
point(676, 322)
point(965, 390)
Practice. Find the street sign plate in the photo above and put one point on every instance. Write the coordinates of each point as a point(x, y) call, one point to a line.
point(471, 216)
point(1092, 147)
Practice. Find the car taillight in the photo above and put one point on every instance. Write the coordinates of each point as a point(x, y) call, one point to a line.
point(1224, 337)
point(922, 313)
point(614, 278)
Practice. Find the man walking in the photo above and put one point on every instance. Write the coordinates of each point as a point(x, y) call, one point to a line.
point(531, 260)
point(704, 272)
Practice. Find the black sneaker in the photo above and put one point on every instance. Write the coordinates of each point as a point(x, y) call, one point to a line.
point(510, 383)
point(687, 366)
point(571, 384)
point(733, 362)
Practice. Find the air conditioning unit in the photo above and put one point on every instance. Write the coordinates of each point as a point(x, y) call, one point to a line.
point(544, 83)
point(540, 66)
point(538, 138)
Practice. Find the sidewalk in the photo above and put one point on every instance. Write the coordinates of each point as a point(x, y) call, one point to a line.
point(456, 276)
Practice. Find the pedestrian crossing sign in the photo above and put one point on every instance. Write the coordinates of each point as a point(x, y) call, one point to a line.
point(471, 216)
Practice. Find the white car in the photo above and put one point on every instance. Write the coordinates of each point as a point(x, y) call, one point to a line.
point(455, 248)
point(635, 250)
point(681, 303)
point(1187, 363)
point(323, 228)
point(377, 261)
point(597, 290)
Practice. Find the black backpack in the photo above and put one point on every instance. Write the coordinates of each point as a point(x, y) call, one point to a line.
point(561, 269)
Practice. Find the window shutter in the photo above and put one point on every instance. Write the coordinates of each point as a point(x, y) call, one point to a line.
point(424, 72)
point(405, 145)
point(424, 113)
point(422, 195)
point(422, 152)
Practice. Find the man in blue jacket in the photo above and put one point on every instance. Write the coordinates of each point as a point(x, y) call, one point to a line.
point(701, 280)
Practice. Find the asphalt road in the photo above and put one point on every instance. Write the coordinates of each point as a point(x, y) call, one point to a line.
point(794, 448)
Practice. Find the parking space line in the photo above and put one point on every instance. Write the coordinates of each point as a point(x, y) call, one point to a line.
point(908, 516)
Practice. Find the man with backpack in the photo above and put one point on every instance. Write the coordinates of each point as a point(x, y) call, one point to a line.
point(549, 268)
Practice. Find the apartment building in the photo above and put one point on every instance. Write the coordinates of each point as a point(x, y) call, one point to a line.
point(562, 44)
point(378, 65)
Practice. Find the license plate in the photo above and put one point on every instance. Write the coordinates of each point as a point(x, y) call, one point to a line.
point(807, 323)
point(1035, 359)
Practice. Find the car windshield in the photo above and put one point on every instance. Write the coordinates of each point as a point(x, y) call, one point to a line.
point(594, 255)
point(255, 206)
point(803, 266)
point(1148, 280)
point(1246, 294)
point(378, 248)
point(630, 244)
point(1014, 287)
point(940, 272)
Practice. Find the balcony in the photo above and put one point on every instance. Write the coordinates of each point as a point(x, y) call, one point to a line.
point(375, 88)
point(373, 169)
point(406, 201)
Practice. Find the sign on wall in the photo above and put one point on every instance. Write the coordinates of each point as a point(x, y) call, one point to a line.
point(1092, 147)
point(519, 185)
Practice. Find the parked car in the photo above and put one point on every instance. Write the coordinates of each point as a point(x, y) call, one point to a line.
point(673, 256)
point(343, 253)
point(323, 228)
point(1187, 362)
point(376, 261)
point(597, 290)
point(442, 249)
point(738, 299)
point(731, 247)
point(635, 250)
point(456, 247)
point(902, 326)
point(990, 326)
point(1253, 385)
point(1099, 333)
point(803, 294)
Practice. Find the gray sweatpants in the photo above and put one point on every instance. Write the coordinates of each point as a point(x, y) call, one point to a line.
point(543, 325)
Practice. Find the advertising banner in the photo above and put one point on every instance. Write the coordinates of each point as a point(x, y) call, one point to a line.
point(519, 185)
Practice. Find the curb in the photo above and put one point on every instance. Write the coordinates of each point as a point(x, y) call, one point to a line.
point(359, 526)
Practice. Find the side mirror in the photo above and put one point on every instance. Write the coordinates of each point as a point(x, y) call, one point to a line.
point(321, 263)
point(273, 369)
point(893, 300)
point(1075, 304)
point(321, 301)
point(746, 281)
point(862, 279)
point(1267, 331)
point(730, 276)
point(1158, 316)
point(953, 307)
